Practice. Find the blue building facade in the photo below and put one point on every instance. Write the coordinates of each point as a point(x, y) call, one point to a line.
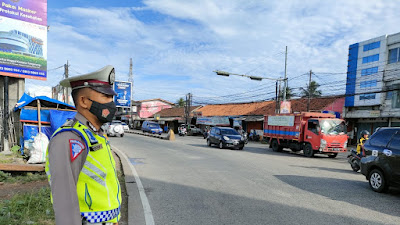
point(373, 84)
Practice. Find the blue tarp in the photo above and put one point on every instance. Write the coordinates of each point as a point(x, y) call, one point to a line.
point(55, 117)
point(31, 115)
point(58, 118)
point(30, 132)
point(26, 100)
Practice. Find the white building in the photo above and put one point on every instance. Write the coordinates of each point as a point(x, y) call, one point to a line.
point(373, 81)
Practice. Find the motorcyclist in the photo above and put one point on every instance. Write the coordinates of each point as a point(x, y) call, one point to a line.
point(363, 138)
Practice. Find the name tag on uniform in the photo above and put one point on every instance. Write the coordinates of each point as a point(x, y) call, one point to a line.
point(96, 147)
point(92, 139)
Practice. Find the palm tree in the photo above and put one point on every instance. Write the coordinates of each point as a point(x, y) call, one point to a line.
point(311, 90)
point(289, 93)
point(180, 102)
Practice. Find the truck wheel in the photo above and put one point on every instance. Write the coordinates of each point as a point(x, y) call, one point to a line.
point(308, 151)
point(275, 146)
point(332, 155)
point(377, 181)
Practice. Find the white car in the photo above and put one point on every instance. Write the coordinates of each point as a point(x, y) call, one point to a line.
point(115, 128)
point(125, 126)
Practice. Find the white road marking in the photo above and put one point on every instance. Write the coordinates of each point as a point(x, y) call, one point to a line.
point(148, 214)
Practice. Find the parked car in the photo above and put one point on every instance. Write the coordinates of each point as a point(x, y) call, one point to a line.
point(114, 128)
point(125, 126)
point(151, 127)
point(192, 130)
point(225, 137)
point(381, 165)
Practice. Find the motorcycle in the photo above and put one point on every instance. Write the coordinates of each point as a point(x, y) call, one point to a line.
point(182, 131)
point(253, 136)
point(354, 159)
point(206, 133)
point(246, 139)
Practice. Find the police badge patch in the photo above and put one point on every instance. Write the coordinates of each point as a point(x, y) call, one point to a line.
point(75, 147)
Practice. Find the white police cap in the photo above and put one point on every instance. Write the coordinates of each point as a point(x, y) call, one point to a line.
point(101, 81)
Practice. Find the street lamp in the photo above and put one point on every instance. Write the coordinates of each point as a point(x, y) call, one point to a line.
point(257, 78)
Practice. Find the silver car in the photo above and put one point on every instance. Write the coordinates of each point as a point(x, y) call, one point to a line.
point(115, 128)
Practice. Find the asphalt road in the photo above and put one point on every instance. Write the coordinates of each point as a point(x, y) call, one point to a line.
point(187, 182)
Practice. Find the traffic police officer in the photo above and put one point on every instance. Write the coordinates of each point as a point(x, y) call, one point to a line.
point(80, 167)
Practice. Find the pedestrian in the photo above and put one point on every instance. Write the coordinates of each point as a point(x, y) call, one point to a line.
point(166, 128)
point(80, 167)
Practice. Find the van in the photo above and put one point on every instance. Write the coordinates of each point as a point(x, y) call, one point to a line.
point(151, 127)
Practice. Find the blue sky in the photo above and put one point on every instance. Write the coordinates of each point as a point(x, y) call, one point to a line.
point(176, 44)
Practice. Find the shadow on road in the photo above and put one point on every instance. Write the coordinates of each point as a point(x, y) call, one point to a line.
point(263, 149)
point(180, 204)
point(353, 192)
point(348, 171)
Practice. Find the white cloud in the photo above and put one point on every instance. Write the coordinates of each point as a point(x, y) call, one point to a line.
point(176, 39)
point(39, 90)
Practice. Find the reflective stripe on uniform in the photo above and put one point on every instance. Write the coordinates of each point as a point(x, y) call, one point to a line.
point(93, 176)
point(95, 169)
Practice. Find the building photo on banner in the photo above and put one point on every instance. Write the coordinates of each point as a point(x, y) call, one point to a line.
point(23, 39)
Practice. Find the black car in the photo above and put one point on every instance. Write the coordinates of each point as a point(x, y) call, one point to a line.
point(225, 137)
point(381, 165)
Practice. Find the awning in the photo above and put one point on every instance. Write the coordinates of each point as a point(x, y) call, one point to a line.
point(169, 118)
point(254, 118)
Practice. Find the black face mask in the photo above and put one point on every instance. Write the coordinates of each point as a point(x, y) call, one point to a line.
point(104, 112)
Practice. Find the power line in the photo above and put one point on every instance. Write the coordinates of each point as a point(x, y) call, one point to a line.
point(55, 68)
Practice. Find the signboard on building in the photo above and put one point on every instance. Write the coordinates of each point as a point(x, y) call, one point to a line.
point(285, 107)
point(374, 113)
point(281, 121)
point(214, 121)
point(124, 93)
point(23, 39)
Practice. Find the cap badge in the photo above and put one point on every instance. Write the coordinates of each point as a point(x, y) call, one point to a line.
point(105, 113)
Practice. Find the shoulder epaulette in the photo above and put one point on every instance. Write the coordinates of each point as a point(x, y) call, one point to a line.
point(69, 123)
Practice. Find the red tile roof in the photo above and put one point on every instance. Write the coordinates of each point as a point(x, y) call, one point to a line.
point(175, 112)
point(233, 109)
point(264, 108)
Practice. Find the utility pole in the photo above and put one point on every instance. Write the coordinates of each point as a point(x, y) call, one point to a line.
point(276, 97)
point(6, 146)
point(65, 92)
point(186, 109)
point(131, 80)
point(130, 71)
point(279, 97)
point(284, 80)
point(309, 94)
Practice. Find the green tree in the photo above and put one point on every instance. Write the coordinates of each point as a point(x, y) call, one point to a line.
point(180, 102)
point(289, 93)
point(311, 90)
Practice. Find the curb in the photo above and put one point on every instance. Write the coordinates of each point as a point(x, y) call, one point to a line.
point(137, 213)
point(147, 134)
